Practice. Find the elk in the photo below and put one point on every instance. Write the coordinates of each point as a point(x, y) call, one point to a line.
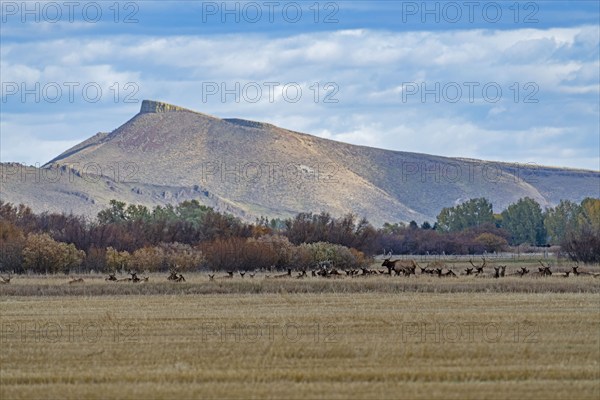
point(289, 273)
point(111, 277)
point(134, 277)
point(448, 273)
point(577, 272)
point(496, 272)
point(366, 271)
point(522, 271)
point(468, 271)
point(410, 270)
point(545, 269)
point(242, 274)
point(302, 274)
point(251, 274)
point(175, 277)
point(399, 266)
point(502, 270)
point(211, 277)
point(5, 281)
point(75, 280)
point(478, 270)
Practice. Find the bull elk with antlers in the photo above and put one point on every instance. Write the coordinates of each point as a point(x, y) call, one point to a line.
point(398, 267)
point(174, 276)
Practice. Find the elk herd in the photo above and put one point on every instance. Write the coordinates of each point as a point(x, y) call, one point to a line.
point(405, 268)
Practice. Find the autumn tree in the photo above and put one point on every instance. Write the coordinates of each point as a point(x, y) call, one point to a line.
point(490, 242)
point(42, 254)
point(116, 260)
point(182, 257)
point(12, 243)
point(149, 258)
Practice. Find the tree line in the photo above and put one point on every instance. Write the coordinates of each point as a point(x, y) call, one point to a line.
point(192, 236)
point(574, 227)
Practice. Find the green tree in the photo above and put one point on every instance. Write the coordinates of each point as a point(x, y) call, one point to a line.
point(135, 212)
point(525, 222)
point(192, 211)
point(115, 213)
point(560, 220)
point(474, 212)
point(166, 213)
point(590, 213)
point(583, 242)
point(393, 229)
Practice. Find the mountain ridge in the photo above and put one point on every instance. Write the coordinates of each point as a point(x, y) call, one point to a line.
point(255, 169)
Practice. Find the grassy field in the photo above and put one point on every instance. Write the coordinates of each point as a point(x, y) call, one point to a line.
point(376, 338)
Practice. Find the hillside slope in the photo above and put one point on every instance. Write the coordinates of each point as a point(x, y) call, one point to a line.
point(166, 154)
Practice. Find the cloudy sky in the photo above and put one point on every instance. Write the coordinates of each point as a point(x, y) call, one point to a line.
point(509, 81)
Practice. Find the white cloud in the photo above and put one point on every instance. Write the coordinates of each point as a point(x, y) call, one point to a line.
point(369, 68)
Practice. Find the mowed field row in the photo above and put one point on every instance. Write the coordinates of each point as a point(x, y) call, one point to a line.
point(341, 345)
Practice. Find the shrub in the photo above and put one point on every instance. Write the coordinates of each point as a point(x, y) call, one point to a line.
point(490, 242)
point(42, 254)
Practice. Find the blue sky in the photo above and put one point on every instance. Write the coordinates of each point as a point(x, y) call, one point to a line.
point(508, 81)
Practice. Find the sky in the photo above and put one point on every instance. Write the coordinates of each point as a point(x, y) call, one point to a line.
point(513, 81)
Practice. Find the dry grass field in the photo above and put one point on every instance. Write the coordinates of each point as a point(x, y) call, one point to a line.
point(375, 338)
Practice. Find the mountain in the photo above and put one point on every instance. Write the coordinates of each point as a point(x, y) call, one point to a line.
point(168, 154)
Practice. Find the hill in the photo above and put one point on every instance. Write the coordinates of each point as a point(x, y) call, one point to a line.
point(167, 154)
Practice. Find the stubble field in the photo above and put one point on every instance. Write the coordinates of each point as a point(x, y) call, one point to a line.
point(376, 338)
